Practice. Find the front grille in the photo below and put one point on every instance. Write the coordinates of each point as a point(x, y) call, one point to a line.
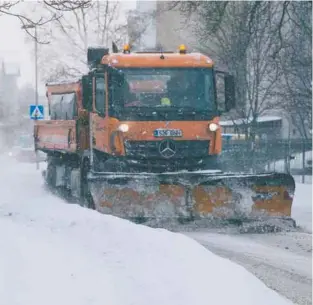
point(150, 149)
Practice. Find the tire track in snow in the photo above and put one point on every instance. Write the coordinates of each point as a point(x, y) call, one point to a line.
point(282, 261)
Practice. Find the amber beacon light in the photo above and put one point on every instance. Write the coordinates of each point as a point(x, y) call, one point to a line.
point(126, 48)
point(182, 49)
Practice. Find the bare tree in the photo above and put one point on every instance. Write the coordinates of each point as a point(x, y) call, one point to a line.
point(252, 39)
point(263, 73)
point(71, 35)
point(224, 30)
point(296, 65)
point(268, 47)
point(226, 37)
point(18, 9)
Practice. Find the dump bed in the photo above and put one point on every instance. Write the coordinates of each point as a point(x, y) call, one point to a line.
point(56, 135)
point(67, 129)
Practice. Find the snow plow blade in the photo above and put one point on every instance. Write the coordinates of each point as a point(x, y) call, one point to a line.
point(192, 195)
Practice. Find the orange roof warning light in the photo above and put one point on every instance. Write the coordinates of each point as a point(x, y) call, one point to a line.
point(182, 49)
point(126, 48)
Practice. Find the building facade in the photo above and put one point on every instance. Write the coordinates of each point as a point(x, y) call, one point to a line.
point(8, 91)
point(9, 106)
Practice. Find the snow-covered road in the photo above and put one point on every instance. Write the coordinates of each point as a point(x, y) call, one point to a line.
point(282, 261)
point(50, 253)
point(57, 253)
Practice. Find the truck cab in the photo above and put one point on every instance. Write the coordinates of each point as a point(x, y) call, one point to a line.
point(154, 111)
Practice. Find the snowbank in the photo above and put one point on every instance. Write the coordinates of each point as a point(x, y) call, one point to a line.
point(302, 206)
point(57, 253)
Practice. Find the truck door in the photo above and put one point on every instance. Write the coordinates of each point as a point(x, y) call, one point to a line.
point(99, 116)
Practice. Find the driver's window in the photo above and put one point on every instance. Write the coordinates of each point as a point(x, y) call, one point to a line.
point(118, 89)
point(220, 91)
point(100, 96)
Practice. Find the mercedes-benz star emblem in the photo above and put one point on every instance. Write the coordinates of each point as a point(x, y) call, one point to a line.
point(167, 149)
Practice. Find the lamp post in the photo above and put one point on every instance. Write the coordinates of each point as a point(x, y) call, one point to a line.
point(33, 26)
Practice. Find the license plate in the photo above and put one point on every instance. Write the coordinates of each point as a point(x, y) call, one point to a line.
point(168, 133)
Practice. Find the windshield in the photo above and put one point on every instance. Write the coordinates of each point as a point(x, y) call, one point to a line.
point(168, 93)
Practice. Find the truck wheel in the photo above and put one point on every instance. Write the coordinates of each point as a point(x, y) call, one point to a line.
point(51, 175)
point(86, 198)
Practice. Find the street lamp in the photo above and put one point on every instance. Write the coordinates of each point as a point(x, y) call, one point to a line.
point(33, 26)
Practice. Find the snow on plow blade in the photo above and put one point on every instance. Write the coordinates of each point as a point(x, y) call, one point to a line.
point(193, 195)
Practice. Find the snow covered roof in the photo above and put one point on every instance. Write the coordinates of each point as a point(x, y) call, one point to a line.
point(247, 121)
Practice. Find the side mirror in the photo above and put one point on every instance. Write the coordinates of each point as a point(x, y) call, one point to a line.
point(230, 101)
point(87, 92)
point(94, 55)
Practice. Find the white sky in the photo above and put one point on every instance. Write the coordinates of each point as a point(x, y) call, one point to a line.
point(15, 50)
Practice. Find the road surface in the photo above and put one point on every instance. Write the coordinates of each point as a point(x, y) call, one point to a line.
point(282, 261)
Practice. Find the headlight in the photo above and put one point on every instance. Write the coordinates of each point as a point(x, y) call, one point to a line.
point(123, 128)
point(213, 127)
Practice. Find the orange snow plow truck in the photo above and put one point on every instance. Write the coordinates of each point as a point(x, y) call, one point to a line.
point(138, 137)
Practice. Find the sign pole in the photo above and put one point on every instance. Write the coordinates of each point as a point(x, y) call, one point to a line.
point(36, 80)
point(33, 26)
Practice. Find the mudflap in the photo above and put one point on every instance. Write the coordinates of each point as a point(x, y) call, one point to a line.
point(194, 197)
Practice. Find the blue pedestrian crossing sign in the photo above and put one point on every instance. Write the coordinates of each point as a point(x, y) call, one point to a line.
point(36, 112)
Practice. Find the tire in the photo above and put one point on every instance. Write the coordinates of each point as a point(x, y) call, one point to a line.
point(86, 198)
point(51, 174)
